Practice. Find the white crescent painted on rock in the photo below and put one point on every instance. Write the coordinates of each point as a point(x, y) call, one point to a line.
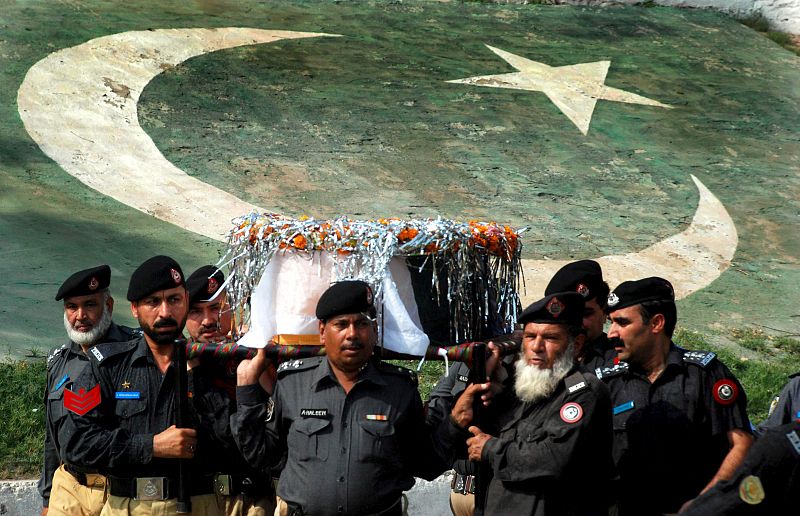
point(80, 105)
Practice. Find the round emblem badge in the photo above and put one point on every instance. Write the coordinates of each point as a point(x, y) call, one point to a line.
point(751, 491)
point(555, 307)
point(725, 392)
point(150, 489)
point(612, 299)
point(582, 290)
point(93, 284)
point(213, 285)
point(571, 413)
point(176, 276)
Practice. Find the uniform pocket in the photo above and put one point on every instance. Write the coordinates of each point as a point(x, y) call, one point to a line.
point(55, 405)
point(377, 441)
point(307, 438)
point(128, 408)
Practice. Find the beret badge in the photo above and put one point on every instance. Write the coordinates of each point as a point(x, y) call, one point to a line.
point(555, 307)
point(612, 299)
point(176, 276)
point(93, 283)
point(582, 290)
point(213, 285)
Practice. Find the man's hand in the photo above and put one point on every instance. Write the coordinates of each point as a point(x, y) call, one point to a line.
point(462, 413)
point(249, 370)
point(175, 443)
point(268, 377)
point(476, 442)
point(493, 359)
point(44, 511)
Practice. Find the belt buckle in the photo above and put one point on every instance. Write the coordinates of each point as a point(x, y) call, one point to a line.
point(151, 488)
point(222, 484)
point(459, 483)
point(469, 484)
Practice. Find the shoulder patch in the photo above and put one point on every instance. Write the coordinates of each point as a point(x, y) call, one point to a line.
point(575, 382)
point(104, 351)
point(794, 440)
point(605, 373)
point(55, 353)
point(300, 364)
point(701, 358)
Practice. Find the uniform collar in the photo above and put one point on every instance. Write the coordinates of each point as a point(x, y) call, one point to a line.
point(674, 356)
point(142, 351)
point(369, 373)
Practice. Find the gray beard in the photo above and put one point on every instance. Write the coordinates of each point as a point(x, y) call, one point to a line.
point(93, 336)
point(533, 384)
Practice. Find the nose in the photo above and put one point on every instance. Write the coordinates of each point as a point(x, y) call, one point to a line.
point(537, 345)
point(80, 314)
point(163, 309)
point(613, 331)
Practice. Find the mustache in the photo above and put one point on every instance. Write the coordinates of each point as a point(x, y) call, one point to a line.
point(165, 323)
point(616, 342)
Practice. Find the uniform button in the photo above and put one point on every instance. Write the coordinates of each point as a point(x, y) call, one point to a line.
point(341, 479)
point(341, 508)
point(344, 450)
point(344, 424)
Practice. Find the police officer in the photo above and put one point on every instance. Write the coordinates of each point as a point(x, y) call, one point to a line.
point(680, 419)
point(352, 427)
point(549, 443)
point(767, 483)
point(88, 307)
point(240, 489)
point(586, 278)
point(785, 408)
point(122, 416)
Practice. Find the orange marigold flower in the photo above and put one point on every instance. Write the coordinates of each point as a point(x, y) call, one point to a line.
point(299, 242)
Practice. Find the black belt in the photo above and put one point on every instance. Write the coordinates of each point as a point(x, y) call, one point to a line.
point(396, 509)
point(255, 486)
point(157, 488)
point(463, 484)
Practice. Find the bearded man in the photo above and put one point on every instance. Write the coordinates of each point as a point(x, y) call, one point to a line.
point(88, 306)
point(550, 447)
point(123, 421)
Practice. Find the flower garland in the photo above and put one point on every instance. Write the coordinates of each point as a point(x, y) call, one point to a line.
point(481, 260)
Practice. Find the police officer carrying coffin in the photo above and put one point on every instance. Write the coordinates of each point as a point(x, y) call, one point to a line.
point(352, 427)
point(240, 489)
point(88, 307)
point(767, 483)
point(121, 420)
point(547, 435)
point(680, 419)
point(586, 278)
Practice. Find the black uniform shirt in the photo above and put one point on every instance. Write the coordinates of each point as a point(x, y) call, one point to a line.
point(137, 402)
point(670, 437)
point(767, 482)
point(597, 353)
point(786, 406)
point(345, 453)
point(552, 456)
point(64, 365)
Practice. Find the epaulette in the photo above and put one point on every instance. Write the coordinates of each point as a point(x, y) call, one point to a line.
point(576, 382)
point(104, 351)
point(610, 372)
point(300, 364)
point(701, 358)
point(400, 371)
point(55, 353)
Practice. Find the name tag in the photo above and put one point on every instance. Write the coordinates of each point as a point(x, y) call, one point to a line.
point(577, 387)
point(127, 395)
point(307, 412)
point(462, 378)
point(619, 409)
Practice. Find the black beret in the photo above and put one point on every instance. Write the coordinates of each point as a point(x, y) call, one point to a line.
point(156, 273)
point(204, 283)
point(558, 308)
point(631, 293)
point(584, 277)
point(85, 282)
point(345, 297)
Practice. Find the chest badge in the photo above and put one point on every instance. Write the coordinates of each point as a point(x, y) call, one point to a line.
point(377, 417)
point(126, 384)
point(725, 392)
point(571, 412)
point(751, 491)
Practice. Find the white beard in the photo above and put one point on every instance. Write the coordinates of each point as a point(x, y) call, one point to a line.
point(93, 336)
point(533, 384)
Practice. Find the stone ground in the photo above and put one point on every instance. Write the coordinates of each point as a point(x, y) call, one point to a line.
point(366, 126)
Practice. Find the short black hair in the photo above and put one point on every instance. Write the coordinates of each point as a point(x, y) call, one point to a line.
point(666, 308)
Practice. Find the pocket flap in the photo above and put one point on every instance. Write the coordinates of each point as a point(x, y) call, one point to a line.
point(377, 428)
point(310, 426)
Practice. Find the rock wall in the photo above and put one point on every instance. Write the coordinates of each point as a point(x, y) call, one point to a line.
point(783, 15)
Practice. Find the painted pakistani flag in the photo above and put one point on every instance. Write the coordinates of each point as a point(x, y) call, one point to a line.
point(661, 141)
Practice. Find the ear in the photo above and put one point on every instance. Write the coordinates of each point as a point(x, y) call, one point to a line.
point(657, 323)
point(580, 341)
point(134, 310)
point(322, 333)
point(110, 304)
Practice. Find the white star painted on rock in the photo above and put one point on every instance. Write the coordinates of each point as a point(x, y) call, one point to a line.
point(575, 89)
